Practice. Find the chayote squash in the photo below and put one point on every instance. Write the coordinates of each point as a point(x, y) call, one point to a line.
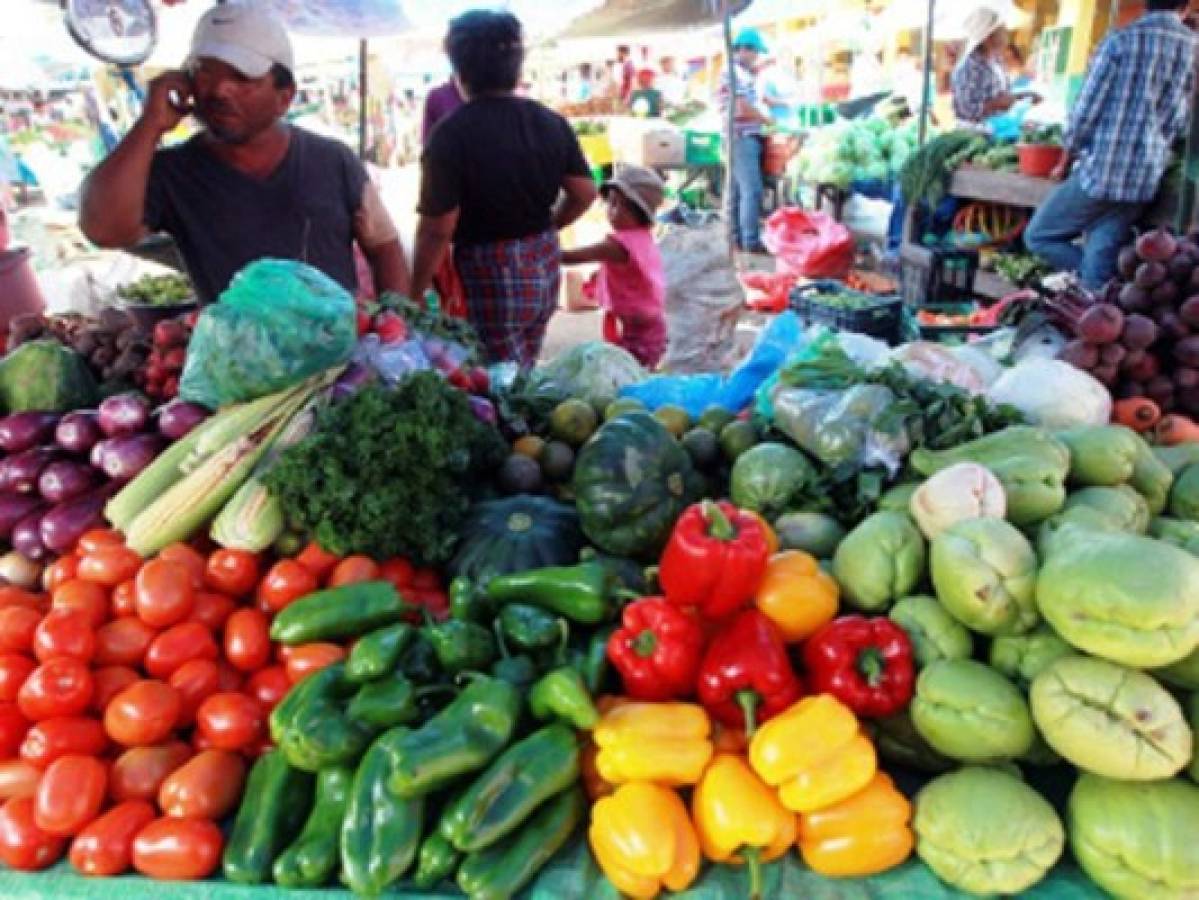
point(880, 561)
point(1137, 841)
point(1184, 495)
point(632, 481)
point(45, 376)
point(765, 478)
point(516, 534)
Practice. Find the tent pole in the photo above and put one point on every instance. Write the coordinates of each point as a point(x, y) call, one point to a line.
point(928, 73)
point(730, 128)
point(363, 92)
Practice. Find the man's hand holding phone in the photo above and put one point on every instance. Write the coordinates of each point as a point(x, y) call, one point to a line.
point(169, 102)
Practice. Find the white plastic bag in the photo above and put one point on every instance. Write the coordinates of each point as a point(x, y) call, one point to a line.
point(1053, 394)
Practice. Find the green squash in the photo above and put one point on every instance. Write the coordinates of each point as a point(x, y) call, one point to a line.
point(517, 534)
point(632, 481)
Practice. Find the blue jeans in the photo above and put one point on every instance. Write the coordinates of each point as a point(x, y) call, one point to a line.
point(744, 204)
point(1069, 213)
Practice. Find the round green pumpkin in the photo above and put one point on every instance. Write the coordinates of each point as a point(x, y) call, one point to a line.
point(517, 534)
point(632, 481)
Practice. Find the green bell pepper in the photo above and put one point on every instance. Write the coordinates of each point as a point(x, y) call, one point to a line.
point(532, 628)
point(273, 809)
point(436, 862)
point(329, 681)
point(341, 612)
point(467, 602)
point(381, 832)
point(419, 662)
point(502, 870)
point(592, 663)
point(313, 858)
point(319, 733)
point(379, 652)
point(518, 670)
point(460, 739)
point(461, 646)
point(581, 593)
point(522, 778)
point(561, 694)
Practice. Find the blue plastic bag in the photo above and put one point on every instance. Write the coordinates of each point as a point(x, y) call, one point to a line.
point(279, 322)
point(695, 393)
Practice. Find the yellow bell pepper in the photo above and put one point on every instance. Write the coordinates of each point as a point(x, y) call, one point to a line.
point(666, 743)
point(643, 840)
point(797, 595)
point(815, 753)
point(864, 835)
point(739, 819)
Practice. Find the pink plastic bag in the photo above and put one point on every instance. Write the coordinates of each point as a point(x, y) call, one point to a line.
point(809, 244)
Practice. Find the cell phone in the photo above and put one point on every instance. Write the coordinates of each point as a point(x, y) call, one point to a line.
point(180, 104)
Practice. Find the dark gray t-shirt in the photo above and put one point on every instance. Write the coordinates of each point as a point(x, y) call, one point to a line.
point(223, 219)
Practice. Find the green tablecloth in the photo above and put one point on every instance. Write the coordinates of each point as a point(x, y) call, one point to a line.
point(571, 876)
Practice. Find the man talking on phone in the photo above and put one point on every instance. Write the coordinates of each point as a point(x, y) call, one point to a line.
point(248, 185)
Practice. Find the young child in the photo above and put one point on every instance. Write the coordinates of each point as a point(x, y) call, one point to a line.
point(631, 285)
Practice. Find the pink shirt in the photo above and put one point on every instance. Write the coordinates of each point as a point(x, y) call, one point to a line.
point(635, 290)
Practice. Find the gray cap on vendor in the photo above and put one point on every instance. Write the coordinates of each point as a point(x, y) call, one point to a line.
point(248, 185)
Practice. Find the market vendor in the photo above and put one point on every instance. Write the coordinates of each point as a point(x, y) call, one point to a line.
point(248, 185)
point(501, 177)
point(980, 81)
point(744, 207)
point(1134, 105)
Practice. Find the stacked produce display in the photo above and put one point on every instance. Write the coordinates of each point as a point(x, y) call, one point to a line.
point(379, 618)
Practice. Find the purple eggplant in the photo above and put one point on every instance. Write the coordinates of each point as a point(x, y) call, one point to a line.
point(15, 507)
point(78, 432)
point(27, 536)
point(124, 414)
point(25, 430)
point(124, 457)
point(65, 480)
point(19, 474)
point(95, 456)
point(483, 410)
point(62, 526)
point(178, 418)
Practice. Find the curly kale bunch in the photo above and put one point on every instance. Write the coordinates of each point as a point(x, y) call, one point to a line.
point(387, 472)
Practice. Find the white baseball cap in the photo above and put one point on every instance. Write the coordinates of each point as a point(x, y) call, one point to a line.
point(246, 37)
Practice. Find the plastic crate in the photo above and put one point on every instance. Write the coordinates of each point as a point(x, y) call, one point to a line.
point(702, 148)
point(882, 318)
point(937, 277)
point(952, 333)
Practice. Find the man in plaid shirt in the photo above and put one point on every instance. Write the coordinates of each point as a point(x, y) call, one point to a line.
point(1134, 105)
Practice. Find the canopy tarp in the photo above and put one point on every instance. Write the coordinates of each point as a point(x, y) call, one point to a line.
point(632, 17)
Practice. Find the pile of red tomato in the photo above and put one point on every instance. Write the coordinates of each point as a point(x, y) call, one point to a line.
point(133, 693)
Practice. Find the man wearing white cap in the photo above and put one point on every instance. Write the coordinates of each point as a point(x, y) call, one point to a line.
point(980, 82)
point(249, 185)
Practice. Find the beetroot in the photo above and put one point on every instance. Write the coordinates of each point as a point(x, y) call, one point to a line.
point(1133, 298)
point(1149, 275)
point(1181, 268)
point(1127, 263)
point(1156, 246)
point(1080, 354)
point(1172, 326)
point(1127, 389)
point(1112, 354)
point(1188, 400)
point(1159, 388)
point(1165, 294)
point(1186, 378)
point(1139, 332)
point(1101, 324)
point(1106, 375)
point(1146, 369)
point(1186, 352)
point(1189, 311)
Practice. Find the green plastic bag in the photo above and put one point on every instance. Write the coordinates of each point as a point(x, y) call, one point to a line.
point(279, 322)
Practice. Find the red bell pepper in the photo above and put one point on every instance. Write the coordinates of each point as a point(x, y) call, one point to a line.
point(715, 559)
point(657, 650)
point(865, 663)
point(746, 676)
